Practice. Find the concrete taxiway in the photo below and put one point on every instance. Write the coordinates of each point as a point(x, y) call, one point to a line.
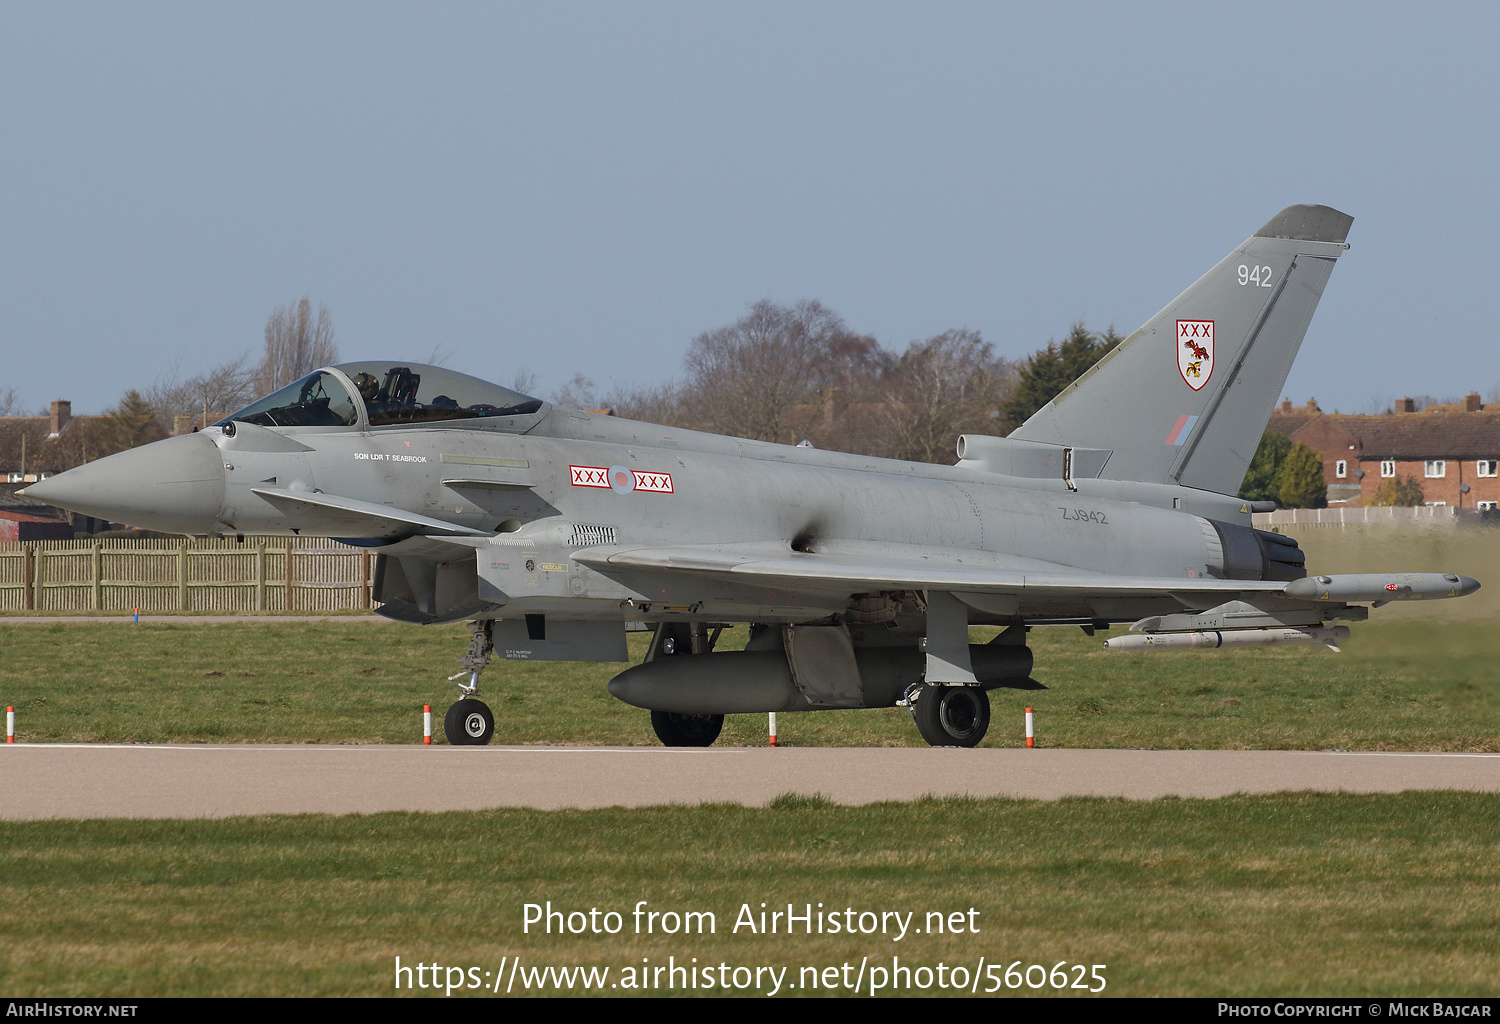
point(189, 781)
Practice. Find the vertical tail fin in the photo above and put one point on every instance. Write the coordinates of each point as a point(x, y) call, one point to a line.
point(1186, 398)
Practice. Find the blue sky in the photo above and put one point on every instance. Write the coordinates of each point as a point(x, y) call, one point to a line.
point(584, 187)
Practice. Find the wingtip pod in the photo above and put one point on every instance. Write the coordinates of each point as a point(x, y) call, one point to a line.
point(1306, 223)
point(1381, 587)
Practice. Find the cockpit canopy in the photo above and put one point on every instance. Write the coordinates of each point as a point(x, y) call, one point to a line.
point(388, 393)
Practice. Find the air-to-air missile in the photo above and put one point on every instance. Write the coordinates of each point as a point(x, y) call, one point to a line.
point(1330, 636)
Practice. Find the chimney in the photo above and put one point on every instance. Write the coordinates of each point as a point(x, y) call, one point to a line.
point(1312, 405)
point(62, 412)
point(1286, 405)
point(1471, 402)
point(182, 425)
point(1406, 405)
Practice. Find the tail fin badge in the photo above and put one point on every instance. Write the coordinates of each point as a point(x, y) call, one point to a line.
point(1195, 352)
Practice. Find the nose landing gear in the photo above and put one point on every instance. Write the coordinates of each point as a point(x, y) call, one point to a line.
point(469, 722)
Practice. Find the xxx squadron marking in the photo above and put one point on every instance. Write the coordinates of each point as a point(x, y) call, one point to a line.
point(589, 476)
point(620, 479)
point(1195, 352)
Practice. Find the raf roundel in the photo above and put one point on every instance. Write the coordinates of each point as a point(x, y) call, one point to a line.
point(620, 479)
point(1195, 352)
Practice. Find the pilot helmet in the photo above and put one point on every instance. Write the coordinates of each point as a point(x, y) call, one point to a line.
point(366, 385)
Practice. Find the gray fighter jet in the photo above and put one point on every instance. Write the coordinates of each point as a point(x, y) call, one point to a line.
point(551, 528)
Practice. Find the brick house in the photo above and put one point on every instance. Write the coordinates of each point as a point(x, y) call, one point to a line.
point(21, 526)
point(1452, 451)
point(33, 448)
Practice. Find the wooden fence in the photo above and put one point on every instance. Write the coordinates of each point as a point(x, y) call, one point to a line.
point(1372, 515)
point(165, 575)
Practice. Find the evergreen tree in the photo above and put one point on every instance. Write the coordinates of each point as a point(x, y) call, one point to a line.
point(1260, 478)
point(129, 425)
point(1300, 484)
point(1053, 368)
point(1398, 491)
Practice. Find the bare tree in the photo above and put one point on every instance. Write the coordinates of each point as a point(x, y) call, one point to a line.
point(662, 403)
point(578, 393)
point(522, 380)
point(207, 397)
point(439, 355)
point(746, 379)
point(784, 373)
point(942, 387)
point(9, 405)
point(296, 344)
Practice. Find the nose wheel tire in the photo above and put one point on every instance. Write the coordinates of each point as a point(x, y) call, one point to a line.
point(675, 730)
point(469, 723)
point(952, 716)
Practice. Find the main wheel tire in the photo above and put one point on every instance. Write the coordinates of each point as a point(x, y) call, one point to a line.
point(469, 723)
point(953, 716)
point(675, 730)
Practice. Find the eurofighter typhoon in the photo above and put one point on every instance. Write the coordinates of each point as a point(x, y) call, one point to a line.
point(551, 529)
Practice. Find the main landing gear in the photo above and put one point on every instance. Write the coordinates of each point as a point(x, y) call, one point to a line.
point(949, 716)
point(682, 639)
point(469, 722)
point(675, 730)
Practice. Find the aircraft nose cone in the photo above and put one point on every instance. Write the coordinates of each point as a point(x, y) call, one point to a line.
point(175, 486)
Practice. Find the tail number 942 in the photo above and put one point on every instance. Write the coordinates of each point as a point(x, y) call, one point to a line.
point(1083, 515)
point(1259, 277)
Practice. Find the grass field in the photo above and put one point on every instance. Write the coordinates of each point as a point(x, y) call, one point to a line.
point(1416, 677)
point(1293, 894)
point(1409, 684)
point(1282, 895)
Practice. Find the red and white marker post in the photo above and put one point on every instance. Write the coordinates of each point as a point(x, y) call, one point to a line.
point(427, 724)
point(773, 728)
point(10, 724)
point(1030, 730)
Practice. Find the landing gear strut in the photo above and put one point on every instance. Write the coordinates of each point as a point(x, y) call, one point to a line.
point(469, 722)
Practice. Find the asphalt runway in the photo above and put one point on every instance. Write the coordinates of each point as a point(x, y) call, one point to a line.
point(167, 619)
point(86, 781)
